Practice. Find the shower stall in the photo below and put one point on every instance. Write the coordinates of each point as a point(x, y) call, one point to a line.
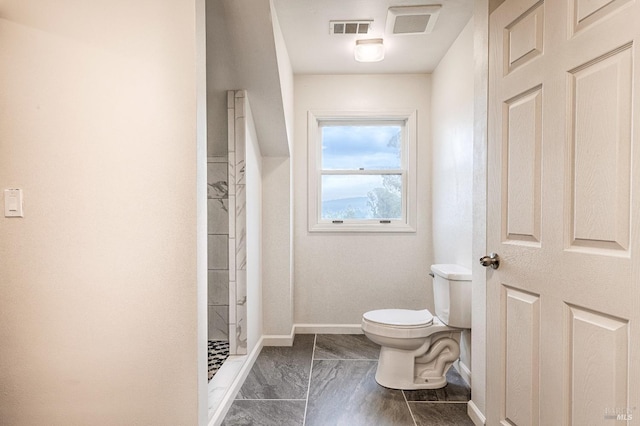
point(227, 251)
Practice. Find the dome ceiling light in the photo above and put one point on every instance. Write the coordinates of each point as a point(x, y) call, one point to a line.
point(369, 50)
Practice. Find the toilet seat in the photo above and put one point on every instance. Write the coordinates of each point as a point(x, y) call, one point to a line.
point(399, 323)
point(400, 318)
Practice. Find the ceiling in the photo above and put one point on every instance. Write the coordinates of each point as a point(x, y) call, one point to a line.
point(313, 50)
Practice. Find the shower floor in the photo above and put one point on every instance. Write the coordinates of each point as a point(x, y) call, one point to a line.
point(218, 353)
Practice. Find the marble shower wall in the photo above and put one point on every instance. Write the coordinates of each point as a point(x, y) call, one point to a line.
point(218, 243)
point(227, 251)
point(237, 241)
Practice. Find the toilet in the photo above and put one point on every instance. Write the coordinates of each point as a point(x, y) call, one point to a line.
point(417, 348)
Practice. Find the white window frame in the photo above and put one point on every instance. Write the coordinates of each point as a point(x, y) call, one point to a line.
point(408, 163)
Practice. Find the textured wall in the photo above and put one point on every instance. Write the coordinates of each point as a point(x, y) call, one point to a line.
point(453, 159)
point(98, 314)
point(453, 152)
point(338, 277)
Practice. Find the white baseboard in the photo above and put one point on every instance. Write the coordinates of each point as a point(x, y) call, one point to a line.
point(287, 339)
point(279, 339)
point(328, 328)
point(223, 407)
point(464, 371)
point(475, 414)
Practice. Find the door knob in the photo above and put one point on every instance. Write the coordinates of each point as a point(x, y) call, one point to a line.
point(492, 260)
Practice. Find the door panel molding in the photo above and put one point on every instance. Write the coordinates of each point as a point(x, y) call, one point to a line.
point(600, 128)
point(522, 151)
point(597, 348)
point(521, 340)
point(524, 38)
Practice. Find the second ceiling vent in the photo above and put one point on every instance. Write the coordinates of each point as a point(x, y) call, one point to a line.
point(350, 27)
point(407, 20)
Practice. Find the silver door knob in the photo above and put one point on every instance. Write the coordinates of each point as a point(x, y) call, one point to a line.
point(492, 260)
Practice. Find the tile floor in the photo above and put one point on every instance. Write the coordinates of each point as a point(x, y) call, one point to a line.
point(328, 379)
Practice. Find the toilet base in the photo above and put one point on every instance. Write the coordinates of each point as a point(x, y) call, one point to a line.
point(410, 370)
point(430, 383)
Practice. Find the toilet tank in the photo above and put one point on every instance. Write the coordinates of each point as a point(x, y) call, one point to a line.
point(452, 294)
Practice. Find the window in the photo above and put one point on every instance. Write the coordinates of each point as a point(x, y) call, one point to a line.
point(361, 171)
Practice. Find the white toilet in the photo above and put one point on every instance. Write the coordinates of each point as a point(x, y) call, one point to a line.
point(417, 347)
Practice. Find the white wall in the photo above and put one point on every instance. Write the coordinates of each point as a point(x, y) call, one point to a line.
point(285, 74)
point(277, 252)
point(338, 277)
point(250, 38)
point(452, 97)
point(98, 314)
point(452, 110)
point(237, 61)
point(278, 209)
point(220, 77)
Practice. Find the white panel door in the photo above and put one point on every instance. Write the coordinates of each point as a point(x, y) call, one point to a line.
point(563, 308)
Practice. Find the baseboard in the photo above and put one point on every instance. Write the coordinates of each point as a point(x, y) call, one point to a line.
point(475, 414)
point(222, 408)
point(279, 339)
point(328, 329)
point(287, 339)
point(464, 371)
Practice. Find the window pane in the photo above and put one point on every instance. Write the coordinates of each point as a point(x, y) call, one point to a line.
point(363, 146)
point(361, 197)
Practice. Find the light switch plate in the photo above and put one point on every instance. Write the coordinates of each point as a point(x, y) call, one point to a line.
point(13, 203)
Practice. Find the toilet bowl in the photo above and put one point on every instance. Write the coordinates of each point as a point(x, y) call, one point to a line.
point(417, 348)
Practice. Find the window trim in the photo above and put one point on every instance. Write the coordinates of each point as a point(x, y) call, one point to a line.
point(314, 172)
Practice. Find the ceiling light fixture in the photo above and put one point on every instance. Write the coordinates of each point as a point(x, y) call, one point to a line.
point(371, 50)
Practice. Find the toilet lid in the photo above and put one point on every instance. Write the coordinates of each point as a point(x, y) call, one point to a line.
point(400, 317)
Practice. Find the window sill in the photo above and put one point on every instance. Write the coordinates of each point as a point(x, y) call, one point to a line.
point(375, 228)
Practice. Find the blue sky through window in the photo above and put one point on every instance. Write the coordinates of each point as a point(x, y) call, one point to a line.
point(361, 146)
point(354, 147)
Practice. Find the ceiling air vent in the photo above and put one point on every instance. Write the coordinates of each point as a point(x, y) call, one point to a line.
point(349, 27)
point(407, 20)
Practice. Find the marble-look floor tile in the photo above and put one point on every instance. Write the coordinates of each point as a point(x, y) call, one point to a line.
point(440, 414)
point(280, 372)
point(346, 393)
point(265, 413)
point(345, 346)
point(456, 390)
